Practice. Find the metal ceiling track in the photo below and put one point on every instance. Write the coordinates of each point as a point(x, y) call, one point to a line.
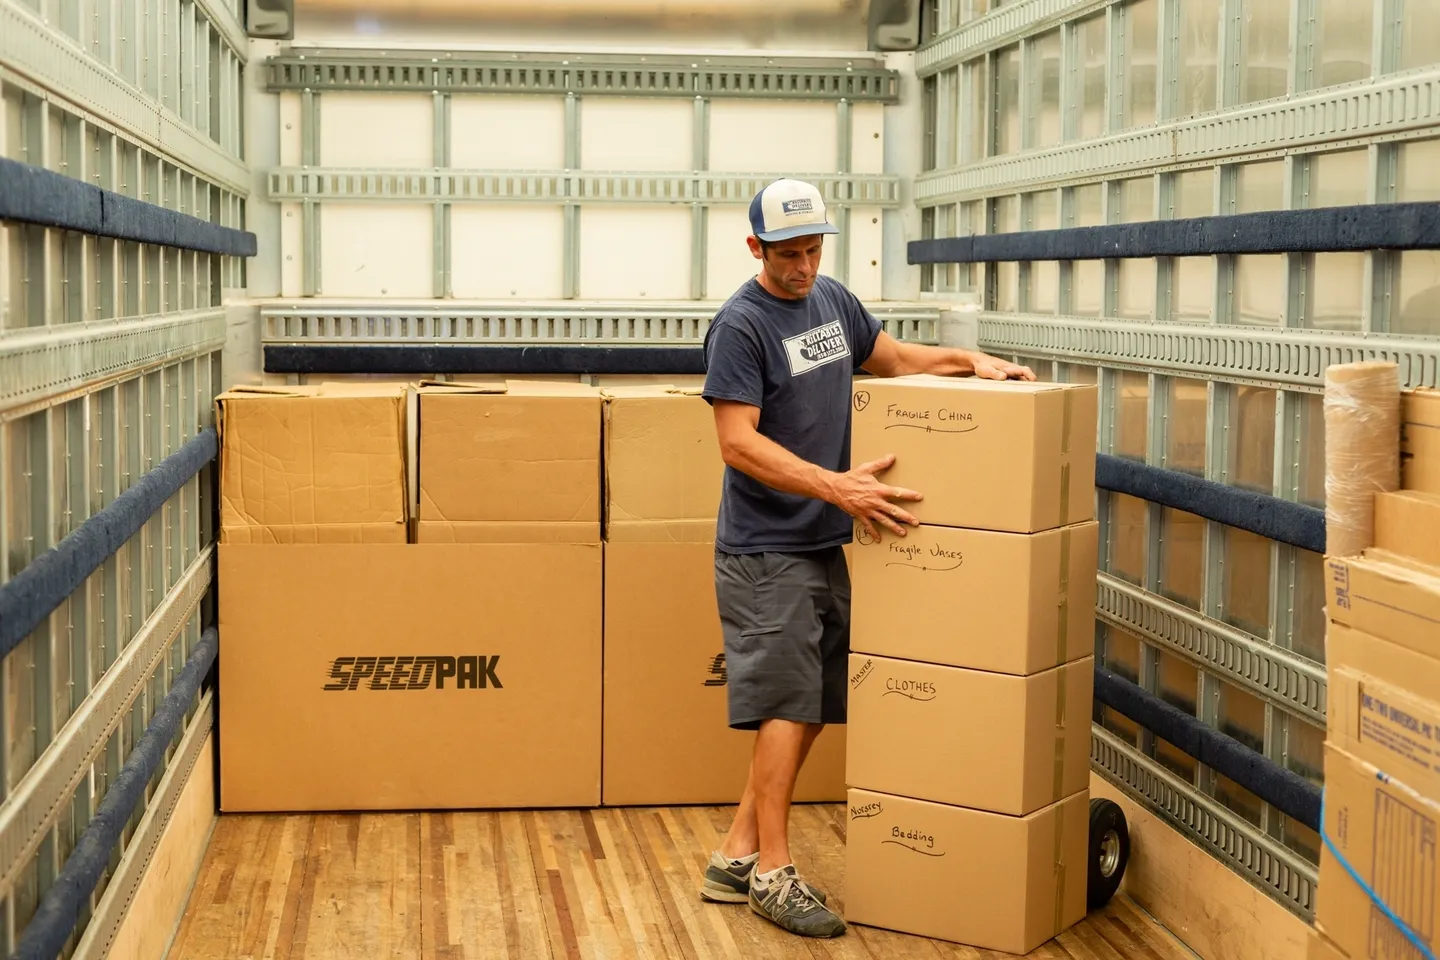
point(448, 71)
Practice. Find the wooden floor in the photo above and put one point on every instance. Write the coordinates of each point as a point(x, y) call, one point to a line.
point(607, 883)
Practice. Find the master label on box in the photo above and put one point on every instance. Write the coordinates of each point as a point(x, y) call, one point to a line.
point(995, 455)
point(1006, 602)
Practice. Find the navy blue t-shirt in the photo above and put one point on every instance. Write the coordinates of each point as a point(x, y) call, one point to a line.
point(794, 359)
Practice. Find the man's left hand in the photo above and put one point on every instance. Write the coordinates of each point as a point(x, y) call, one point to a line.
point(993, 368)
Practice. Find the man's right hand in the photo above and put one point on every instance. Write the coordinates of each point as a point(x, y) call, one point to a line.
point(868, 500)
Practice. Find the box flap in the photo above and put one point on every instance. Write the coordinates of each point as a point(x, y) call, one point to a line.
point(1420, 406)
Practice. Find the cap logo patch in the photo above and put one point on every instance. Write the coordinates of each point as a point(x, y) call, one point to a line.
point(798, 205)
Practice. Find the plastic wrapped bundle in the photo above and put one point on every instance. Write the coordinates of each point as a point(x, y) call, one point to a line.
point(1362, 450)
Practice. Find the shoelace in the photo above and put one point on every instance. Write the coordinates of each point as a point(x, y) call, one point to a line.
point(794, 892)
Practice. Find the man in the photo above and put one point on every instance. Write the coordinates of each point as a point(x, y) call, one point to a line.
point(780, 355)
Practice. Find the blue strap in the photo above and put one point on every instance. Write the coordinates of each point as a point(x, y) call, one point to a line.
point(1400, 925)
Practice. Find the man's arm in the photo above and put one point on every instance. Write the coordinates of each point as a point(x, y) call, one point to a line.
point(857, 492)
point(893, 358)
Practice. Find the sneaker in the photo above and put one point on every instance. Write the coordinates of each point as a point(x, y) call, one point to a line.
point(790, 903)
point(728, 881)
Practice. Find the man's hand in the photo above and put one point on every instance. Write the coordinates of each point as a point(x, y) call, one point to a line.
point(993, 368)
point(866, 499)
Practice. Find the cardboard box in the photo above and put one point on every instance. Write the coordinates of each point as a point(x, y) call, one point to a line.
point(492, 698)
point(1420, 440)
point(1388, 835)
point(989, 741)
point(982, 879)
point(313, 464)
point(667, 739)
point(520, 453)
point(662, 463)
point(1386, 596)
point(1384, 706)
point(1006, 602)
point(994, 455)
point(1407, 522)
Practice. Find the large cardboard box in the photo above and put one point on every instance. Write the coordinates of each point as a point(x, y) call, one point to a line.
point(970, 738)
point(667, 739)
point(313, 464)
point(1387, 596)
point(1420, 440)
point(1383, 706)
point(666, 733)
point(407, 677)
point(1321, 947)
point(977, 878)
point(663, 468)
point(521, 458)
point(1407, 522)
point(995, 455)
point(1387, 833)
point(1006, 602)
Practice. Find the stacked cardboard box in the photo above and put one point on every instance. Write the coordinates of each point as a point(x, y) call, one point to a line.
point(666, 736)
point(1382, 749)
point(362, 671)
point(972, 664)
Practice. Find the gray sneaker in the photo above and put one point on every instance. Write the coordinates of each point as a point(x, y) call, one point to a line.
point(791, 904)
point(727, 883)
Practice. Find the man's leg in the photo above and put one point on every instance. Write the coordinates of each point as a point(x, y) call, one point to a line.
point(743, 839)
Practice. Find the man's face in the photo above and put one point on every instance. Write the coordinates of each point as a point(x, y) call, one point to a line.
point(791, 265)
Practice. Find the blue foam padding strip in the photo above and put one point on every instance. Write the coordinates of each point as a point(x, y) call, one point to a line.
point(44, 937)
point(1283, 520)
point(1371, 226)
point(29, 597)
point(1284, 790)
point(420, 358)
point(32, 194)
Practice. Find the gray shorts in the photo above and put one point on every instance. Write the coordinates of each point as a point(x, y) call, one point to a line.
point(786, 621)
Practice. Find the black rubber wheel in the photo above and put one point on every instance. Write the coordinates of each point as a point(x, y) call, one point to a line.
point(1109, 851)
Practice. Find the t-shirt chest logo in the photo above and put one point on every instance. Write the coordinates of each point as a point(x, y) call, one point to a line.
point(816, 347)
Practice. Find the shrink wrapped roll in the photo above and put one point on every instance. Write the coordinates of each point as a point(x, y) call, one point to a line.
point(1362, 450)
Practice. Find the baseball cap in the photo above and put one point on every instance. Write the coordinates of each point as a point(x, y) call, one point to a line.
point(788, 208)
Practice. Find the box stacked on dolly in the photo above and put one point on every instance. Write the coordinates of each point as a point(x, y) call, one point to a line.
point(971, 674)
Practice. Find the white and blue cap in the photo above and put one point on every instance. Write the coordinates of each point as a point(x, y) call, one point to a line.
point(786, 209)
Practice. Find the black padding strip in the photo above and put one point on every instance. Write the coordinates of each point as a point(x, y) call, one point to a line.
point(418, 358)
point(31, 194)
point(1282, 520)
point(1281, 788)
point(1370, 226)
point(30, 596)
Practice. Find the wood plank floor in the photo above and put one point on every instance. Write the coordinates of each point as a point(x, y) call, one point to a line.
point(563, 884)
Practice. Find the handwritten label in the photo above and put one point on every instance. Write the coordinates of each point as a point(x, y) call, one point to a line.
point(913, 840)
point(938, 420)
point(866, 811)
point(934, 558)
point(860, 675)
point(914, 689)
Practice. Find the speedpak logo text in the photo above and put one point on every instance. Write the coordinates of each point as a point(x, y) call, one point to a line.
point(413, 673)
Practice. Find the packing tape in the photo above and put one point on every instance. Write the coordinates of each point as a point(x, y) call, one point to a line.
point(1062, 679)
point(1066, 418)
point(1059, 870)
point(1062, 637)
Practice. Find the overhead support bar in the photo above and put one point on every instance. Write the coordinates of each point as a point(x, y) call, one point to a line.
point(1374, 226)
point(427, 358)
point(450, 71)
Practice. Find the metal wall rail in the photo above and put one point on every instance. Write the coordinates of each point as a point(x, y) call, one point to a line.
point(1013, 22)
point(578, 186)
point(59, 910)
point(1370, 226)
point(1284, 357)
point(1391, 106)
point(32, 194)
point(859, 79)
